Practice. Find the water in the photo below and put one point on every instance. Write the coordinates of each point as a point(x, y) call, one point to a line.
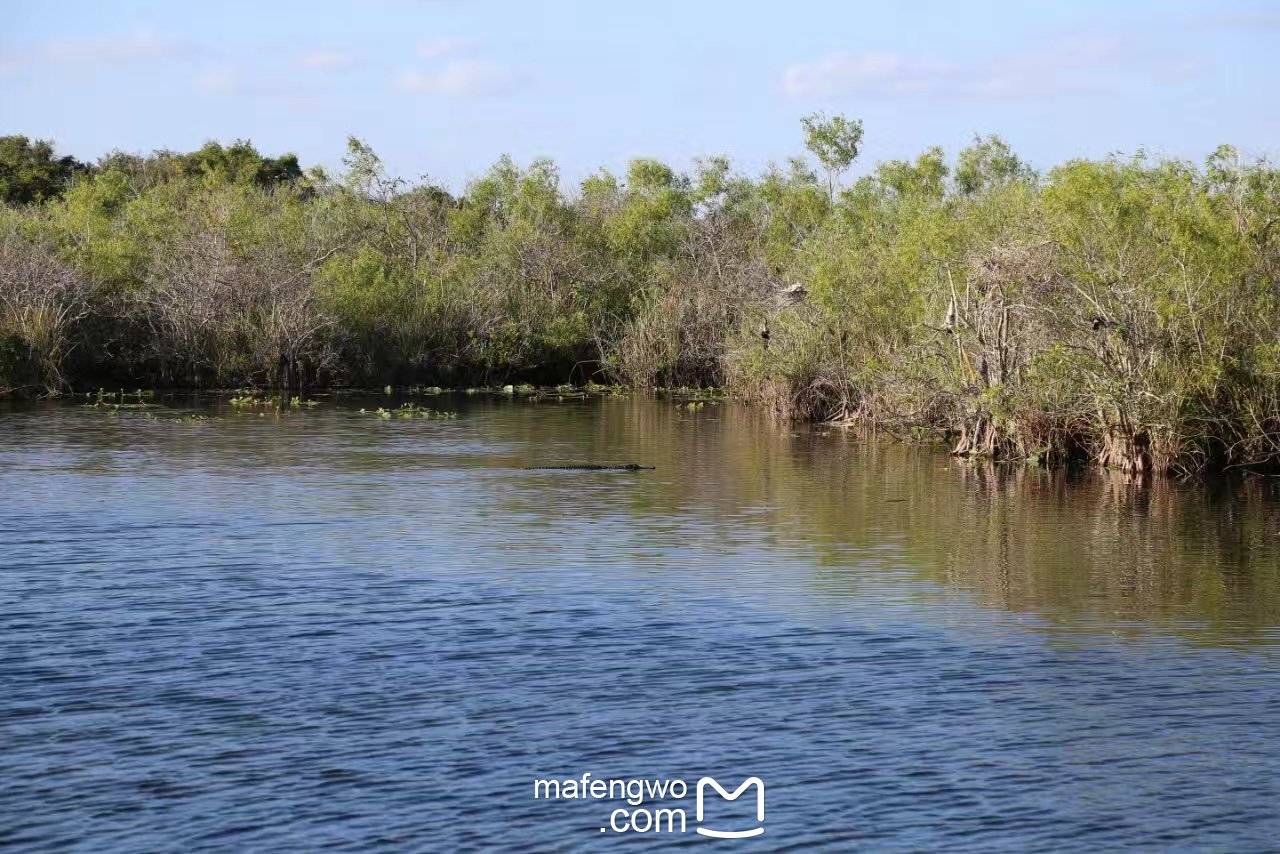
point(326, 630)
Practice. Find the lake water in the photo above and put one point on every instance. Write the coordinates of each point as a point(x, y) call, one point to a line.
point(324, 629)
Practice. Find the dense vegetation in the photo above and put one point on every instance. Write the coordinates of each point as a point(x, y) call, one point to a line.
point(1124, 310)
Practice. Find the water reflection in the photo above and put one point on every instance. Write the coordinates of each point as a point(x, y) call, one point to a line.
point(818, 513)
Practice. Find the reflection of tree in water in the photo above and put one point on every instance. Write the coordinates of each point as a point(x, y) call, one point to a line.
point(1067, 545)
point(833, 511)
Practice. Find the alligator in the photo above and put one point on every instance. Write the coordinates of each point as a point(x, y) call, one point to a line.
point(586, 467)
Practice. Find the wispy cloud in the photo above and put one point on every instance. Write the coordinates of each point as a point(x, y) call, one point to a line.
point(228, 80)
point(1069, 64)
point(219, 80)
point(120, 49)
point(138, 46)
point(325, 59)
point(463, 78)
point(865, 74)
point(448, 46)
point(1254, 21)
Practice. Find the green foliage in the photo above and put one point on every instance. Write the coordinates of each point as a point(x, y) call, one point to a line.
point(1122, 310)
point(925, 179)
point(989, 163)
point(835, 141)
point(239, 163)
point(30, 171)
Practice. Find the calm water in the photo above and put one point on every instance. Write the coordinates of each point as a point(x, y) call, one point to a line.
point(328, 630)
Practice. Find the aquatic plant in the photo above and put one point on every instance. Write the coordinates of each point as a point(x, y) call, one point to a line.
point(409, 410)
point(116, 407)
point(189, 418)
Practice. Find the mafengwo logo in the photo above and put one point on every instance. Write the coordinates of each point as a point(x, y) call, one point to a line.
point(709, 782)
point(642, 814)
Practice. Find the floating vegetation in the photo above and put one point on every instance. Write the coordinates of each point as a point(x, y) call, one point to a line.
point(139, 412)
point(116, 407)
point(408, 411)
point(608, 390)
point(189, 418)
point(559, 393)
point(249, 400)
point(117, 399)
point(683, 394)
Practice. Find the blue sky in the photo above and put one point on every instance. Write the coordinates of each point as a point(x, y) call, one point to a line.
point(443, 87)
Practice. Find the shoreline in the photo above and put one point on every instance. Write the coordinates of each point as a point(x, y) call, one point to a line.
point(685, 397)
point(1121, 310)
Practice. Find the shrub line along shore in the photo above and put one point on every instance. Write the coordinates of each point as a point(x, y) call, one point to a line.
point(1123, 311)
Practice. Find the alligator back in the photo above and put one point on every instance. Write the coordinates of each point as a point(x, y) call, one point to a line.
point(591, 467)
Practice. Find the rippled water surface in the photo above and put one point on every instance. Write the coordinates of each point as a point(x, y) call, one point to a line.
point(322, 629)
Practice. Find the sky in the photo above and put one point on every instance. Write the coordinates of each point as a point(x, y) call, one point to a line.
point(442, 88)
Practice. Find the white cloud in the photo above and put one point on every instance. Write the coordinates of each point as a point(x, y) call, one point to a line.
point(463, 78)
point(326, 60)
point(227, 79)
point(1254, 21)
point(219, 80)
point(1176, 70)
point(138, 46)
point(864, 74)
point(442, 48)
point(135, 47)
point(1067, 65)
